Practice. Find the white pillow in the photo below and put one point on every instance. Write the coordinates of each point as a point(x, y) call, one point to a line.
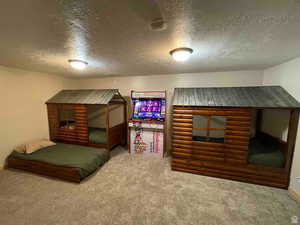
point(33, 146)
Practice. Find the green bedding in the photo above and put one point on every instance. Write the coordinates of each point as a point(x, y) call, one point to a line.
point(97, 135)
point(86, 159)
point(265, 153)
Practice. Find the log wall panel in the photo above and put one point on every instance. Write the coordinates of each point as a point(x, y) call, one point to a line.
point(227, 175)
point(265, 177)
point(182, 133)
point(198, 156)
point(184, 129)
point(81, 119)
point(271, 177)
point(199, 151)
point(237, 136)
point(79, 134)
point(183, 125)
point(53, 121)
point(183, 120)
point(179, 137)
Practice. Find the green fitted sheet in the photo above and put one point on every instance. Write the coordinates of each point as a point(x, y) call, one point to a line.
point(86, 159)
point(97, 135)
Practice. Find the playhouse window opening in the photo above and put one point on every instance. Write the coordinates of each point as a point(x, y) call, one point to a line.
point(268, 141)
point(97, 122)
point(67, 118)
point(209, 128)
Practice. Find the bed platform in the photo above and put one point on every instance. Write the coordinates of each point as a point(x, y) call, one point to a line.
point(68, 162)
point(96, 118)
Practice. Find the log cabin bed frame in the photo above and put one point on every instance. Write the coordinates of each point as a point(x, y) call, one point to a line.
point(229, 159)
point(78, 101)
point(70, 174)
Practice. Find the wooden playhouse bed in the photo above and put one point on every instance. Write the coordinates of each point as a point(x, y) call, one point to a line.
point(197, 112)
point(68, 115)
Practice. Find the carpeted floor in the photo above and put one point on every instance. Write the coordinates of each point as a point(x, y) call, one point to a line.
point(136, 189)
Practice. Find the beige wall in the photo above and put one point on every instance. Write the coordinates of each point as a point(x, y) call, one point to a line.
point(287, 76)
point(169, 82)
point(23, 112)
point(276, 123)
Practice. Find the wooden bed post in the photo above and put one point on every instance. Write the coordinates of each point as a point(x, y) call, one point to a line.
point(291, 140)
point(53, 121)
point(259, 120)
point(107, 127)
point(125, 130)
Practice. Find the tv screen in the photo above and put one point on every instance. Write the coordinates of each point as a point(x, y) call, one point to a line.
point(149, 109)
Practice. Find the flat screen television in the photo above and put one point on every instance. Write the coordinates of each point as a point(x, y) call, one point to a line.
point(149, 109)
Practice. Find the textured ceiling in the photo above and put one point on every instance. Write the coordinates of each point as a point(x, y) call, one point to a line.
point(113, 36)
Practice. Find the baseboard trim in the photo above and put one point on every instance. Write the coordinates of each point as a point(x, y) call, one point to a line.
point(294, 194)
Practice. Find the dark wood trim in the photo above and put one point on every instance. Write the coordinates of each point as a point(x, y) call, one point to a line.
point(124, 139)
point(259, 117)
point(291, 140)
point(107, 125)
point(116, 135)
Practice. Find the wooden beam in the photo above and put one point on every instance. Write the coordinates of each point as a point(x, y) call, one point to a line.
point(291, 140)
point(107, 127)
point(125, 134)
point(259, 119)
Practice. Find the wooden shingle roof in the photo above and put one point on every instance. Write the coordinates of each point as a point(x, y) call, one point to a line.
point(84, 96)
point(258, 97)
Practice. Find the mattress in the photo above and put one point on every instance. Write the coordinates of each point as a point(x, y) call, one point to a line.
point(85, 159)
point(97, 135)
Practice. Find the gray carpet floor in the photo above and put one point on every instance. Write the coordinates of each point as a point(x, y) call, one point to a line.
point(138, 190)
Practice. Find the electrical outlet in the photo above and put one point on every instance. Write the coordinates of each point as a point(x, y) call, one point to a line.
point(298, 178)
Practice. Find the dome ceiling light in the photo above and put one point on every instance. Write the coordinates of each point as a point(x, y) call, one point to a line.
point(78, 64)
point(181, 54)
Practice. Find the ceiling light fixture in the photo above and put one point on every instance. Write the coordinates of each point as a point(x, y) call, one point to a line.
point(181, 54)
point(78, 64)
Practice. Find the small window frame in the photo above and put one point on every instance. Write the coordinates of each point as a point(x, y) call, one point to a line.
point(64, 121)
point(208, 128)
